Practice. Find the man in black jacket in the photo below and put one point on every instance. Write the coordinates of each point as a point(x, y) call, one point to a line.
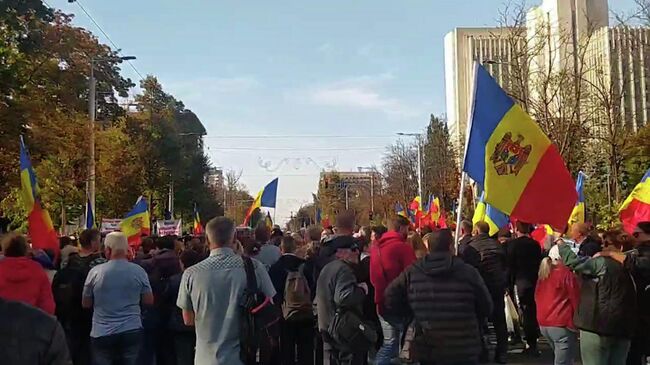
point(445, 299)
point(30, 336)
point(465, 236)
point(489, 257)
point(524, 258)
point(296, 336)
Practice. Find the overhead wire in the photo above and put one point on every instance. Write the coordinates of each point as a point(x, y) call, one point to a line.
point(118, 49)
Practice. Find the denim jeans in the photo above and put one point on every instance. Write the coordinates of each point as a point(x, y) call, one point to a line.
point(563, 342)
point(390, 347)
point(118, 349)
point(602, 350)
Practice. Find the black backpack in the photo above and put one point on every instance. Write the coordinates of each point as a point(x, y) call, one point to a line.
point(67, 289)
point(260, 322)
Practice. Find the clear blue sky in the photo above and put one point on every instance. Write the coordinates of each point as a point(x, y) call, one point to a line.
point(336, 67)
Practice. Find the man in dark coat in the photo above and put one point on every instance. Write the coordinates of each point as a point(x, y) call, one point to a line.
point(489, 257)
point(296, 336)
point(30, 336)
point(445, 299)
point(524, 258)
point(581, 233)
point(465, 236)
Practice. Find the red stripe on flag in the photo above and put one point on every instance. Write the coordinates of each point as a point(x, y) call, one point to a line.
point(637, 211)
point(42, 235)
point(550, 195)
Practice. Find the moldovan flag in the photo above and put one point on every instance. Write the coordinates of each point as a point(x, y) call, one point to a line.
point(513, 161)
point(40, 227)
point(578, 214)
point(137, 222)
point(636, 208)
point(400, 211)
point(198, 228)
point(267, 198)
point(490, 215)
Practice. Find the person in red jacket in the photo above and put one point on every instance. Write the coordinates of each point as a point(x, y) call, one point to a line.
point(388, 258)
point(557, 295)
point(21, 278)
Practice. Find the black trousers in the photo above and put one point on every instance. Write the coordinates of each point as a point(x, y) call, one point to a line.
point(498, 319)
point(297, 338)
point(528, 310)
point(184, 347)
point(332, 356)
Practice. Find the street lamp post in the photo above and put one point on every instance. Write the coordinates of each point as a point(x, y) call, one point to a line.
point(92, 109)
point(418, 139)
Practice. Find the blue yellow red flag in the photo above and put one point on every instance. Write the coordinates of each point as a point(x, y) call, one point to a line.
point(90, 215)
point(137, 222)
point(490, 215)
point(508, 155)
point(40, 228)
point(400, 211)
point(266, 197)
point(198, 228)
point(269, 221)
point(578, 213)
point(636, 208)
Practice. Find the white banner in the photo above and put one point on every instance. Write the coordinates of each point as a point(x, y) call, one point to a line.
point(171, 227)
point(110, 225)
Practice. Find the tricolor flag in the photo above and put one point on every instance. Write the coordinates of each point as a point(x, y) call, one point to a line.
point(513, 161)
point(490, 215)
point(400, 211)
point(578, 214)
point(267, 198)
point(636, 208)
point(40, 227)
point(137, 222)
point(198, 228)
point(90, 215)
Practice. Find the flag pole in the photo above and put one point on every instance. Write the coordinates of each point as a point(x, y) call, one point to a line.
point(463, 176)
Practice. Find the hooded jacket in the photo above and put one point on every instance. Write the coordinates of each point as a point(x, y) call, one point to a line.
point(24, 280)
point(388, 258)
point(445, 297)
point(557, 298)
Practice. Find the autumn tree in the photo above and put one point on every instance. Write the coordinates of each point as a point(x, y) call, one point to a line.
point(440, 173)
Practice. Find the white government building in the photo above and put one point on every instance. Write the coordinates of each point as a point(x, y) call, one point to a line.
point(545, 44)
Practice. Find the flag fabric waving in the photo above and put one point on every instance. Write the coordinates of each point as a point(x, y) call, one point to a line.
point(578, 214)
point(490, 215)
point(90, 215)
point(269, 221)
point(513, 161)
point(636, 208)
point(198, 228)
point(137, 222)
point(267, 197)
point(40, 227)
point(400, 211)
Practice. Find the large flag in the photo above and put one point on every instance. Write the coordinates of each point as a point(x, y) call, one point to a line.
point(490, 215)
point(513, 161)
point(578, 214)
point(198, 228)
point(137, 222)
point(40, 228)
point(90, 215)
point(267, 197)
point(636, 208)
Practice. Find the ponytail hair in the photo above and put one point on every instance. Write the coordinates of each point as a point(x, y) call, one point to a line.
point(545, 268)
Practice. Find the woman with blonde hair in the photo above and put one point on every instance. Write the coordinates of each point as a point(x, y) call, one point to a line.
point(417, 243)
point(557, 295)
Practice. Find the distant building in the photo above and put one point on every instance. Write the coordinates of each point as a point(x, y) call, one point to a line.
point(215, 179)
point(496, 48)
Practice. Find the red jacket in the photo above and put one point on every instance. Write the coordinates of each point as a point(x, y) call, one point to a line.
point(557, 298)
point(388, 258)
point(24, 280)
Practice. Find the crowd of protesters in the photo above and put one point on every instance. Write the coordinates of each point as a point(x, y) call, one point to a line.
point(337, 295)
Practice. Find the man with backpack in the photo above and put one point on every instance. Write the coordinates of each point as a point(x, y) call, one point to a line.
point(294, 297)
point(67, 288)
point(213, 295)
